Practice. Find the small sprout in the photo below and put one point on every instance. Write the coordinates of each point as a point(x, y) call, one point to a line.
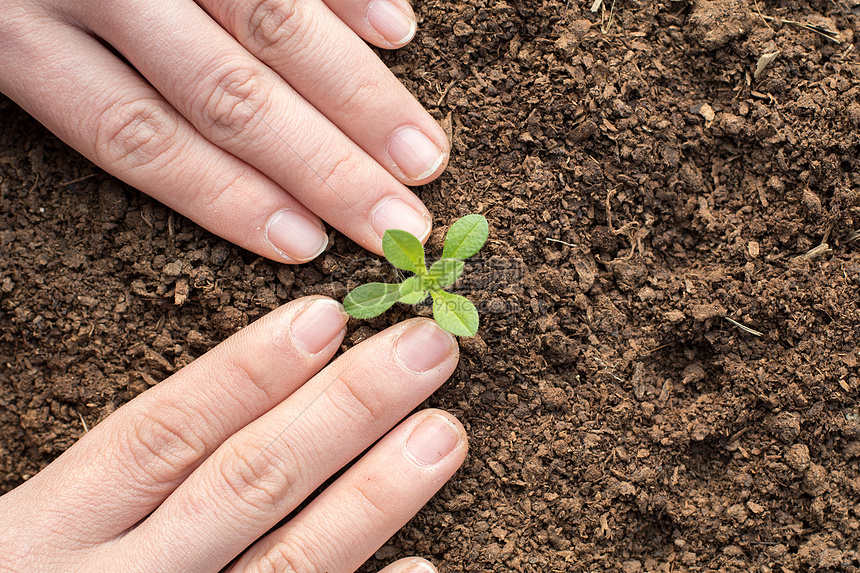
point(454, 313)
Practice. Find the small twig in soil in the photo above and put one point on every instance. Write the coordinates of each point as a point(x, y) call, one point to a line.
point(79, 179)
point(744, 328)
point(36, 182)
point(737, 435)
point(757, 9)
point(846, 52)
point(635, 237)
point(611, 17)
point(445, 92)
point(562, 242)
point(625, 228)
point(83, 422)
point(815, 252)
point(607, 370)
point(827, 232)
point(820, 30)
point(145, 220)
point(854, 236)
point(656, 349)
point(766, 96)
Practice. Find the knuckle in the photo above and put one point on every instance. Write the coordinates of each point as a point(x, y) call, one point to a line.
point(136, 133)
point(163, 445)
point(360, 92)
point(358, 399)
point(339, 165)
point(282, 557)
point(372, 495)
point(339, 169)
point(216, 198)
point(255, 483)
point(251, 377)
point(235, 103)
point(269, 24)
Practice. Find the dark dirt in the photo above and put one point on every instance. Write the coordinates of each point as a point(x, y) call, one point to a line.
point(643, 187)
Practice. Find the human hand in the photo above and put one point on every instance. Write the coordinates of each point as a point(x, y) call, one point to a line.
point(250, 117)
point(191, 473)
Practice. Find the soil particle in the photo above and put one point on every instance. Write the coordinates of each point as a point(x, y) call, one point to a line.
point(113, 201)
point(701, 312)
point(786, 427)
point(797, 457)
point(229, 319)
point(559, 348)
point(718, 22)
point(630, 275)
point(815, 480)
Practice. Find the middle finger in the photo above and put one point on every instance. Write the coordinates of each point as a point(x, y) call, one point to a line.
point(244, 107)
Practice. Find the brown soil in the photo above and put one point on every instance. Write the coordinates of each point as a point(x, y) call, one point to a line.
point(643, 188)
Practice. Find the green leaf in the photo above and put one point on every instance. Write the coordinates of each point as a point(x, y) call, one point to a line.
point(455, 313)
point(444, 272)
point(466, 237)
point(412, 290)
point(404, 251)
point(372, 299)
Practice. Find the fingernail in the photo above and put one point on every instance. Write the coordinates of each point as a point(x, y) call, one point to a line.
point(417, 565)
point(424, 346)
point(317, 325)
point(295, 235)
point(433, 439)
point(390, 21)
point(414, 153)
point(391, 213)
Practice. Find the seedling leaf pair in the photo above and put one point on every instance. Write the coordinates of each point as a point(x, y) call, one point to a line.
point(404, 251)
point(371, 299)
point(454, 313)
point(465, 237)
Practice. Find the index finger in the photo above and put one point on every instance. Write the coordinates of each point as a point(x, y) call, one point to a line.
point(331, 67)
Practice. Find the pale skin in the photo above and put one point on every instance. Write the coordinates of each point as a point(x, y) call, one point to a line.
point(258, 119)
point(190, 474)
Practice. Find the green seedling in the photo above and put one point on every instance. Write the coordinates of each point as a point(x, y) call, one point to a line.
point(454, 313)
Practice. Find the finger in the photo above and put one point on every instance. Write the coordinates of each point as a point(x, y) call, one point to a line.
point(263, 472)
point(383, 23)
point(245, 108)
point(410, 565)
point(133, 460)
point(324, 60)
point(99, 106)
point(354, 517)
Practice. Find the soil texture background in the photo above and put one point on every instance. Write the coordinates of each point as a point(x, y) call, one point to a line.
point(666, 376)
